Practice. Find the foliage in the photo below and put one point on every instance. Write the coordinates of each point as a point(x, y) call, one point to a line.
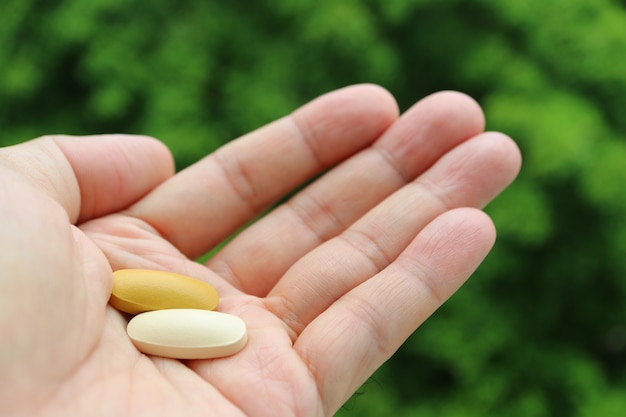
point(540, 330)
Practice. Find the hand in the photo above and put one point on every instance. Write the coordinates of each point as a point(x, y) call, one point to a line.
point(330, 283)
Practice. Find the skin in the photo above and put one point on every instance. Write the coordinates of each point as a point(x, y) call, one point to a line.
point(330, 283)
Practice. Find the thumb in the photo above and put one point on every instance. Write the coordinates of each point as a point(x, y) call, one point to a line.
point(55, 282)
point(91, 176)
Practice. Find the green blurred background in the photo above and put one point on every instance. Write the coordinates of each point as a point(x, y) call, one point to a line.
point(540, 330)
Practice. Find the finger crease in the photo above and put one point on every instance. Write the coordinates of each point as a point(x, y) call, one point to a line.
point(367, 246)
point(305, 132)
point(307, 209)
point(239, 179)
point(388, 158)
point(283, 308)
point(366, 315)
point(425, 276)
point(437, 192)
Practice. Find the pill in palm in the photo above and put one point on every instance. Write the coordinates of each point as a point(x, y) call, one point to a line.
point(187, 333)
point(138, 290)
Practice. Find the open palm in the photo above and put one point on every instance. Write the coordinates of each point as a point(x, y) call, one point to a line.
point(330, 283)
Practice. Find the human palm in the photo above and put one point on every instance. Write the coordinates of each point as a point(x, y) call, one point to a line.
point(330, 283)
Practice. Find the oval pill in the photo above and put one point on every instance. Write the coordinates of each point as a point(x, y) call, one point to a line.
point(187, 333)
point(139, 290)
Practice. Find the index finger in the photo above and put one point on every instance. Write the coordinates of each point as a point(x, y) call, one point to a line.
point(204, 204)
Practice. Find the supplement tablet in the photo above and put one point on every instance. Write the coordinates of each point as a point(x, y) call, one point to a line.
point(138, 290)
point(187, 333)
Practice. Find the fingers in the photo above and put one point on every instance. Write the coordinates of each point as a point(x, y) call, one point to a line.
point(468, 176)
point(94, 175)
point(367, 325)
point(259, 256)
point(207, 202)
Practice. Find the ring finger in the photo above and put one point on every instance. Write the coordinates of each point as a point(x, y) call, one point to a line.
point(469, 176)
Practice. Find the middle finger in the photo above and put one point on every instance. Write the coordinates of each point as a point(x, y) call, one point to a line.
point(258, 257)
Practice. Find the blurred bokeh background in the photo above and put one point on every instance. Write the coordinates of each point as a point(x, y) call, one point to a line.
point(540, 330)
